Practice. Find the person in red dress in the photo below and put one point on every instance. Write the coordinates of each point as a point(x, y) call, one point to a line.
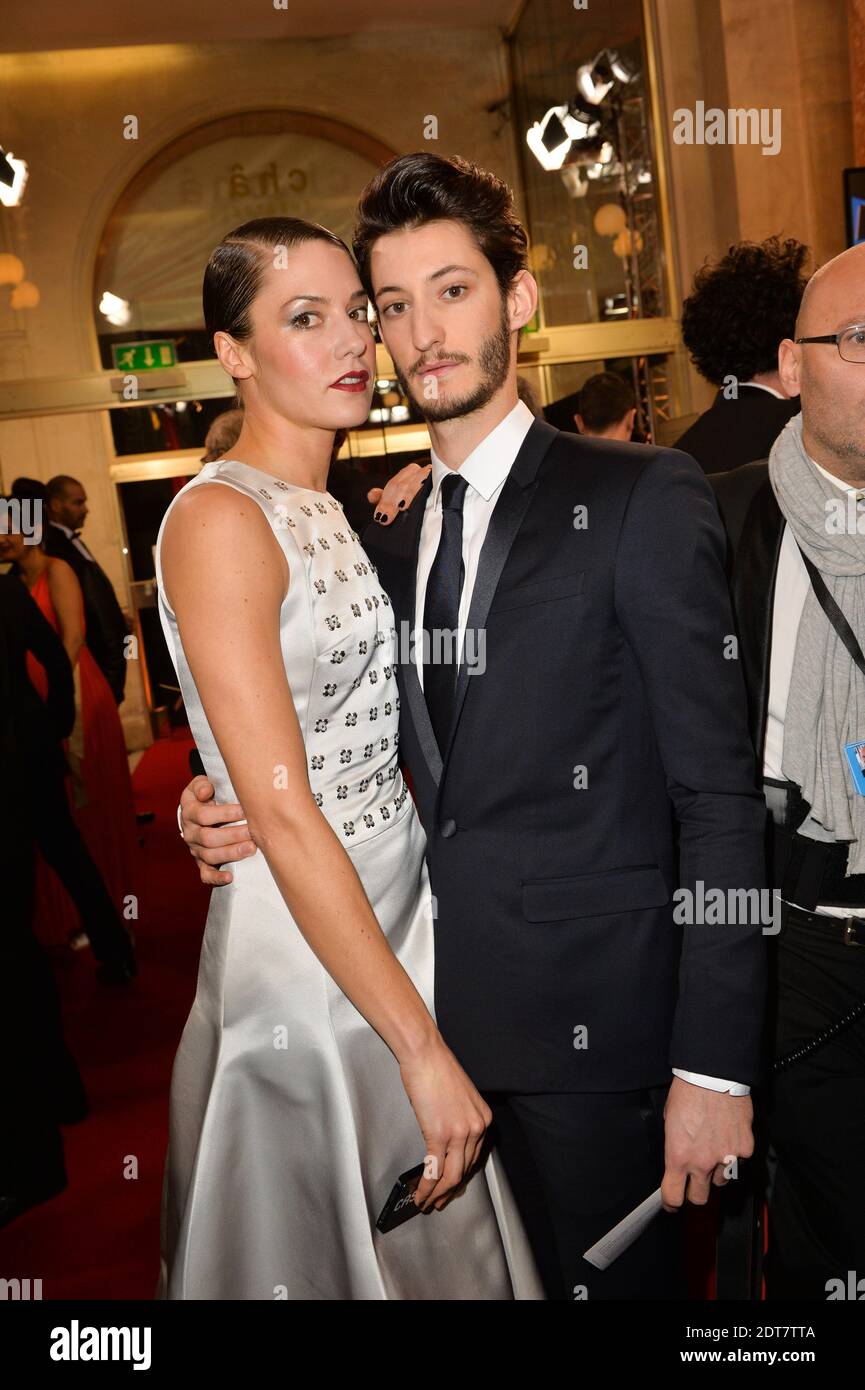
point(99, 785)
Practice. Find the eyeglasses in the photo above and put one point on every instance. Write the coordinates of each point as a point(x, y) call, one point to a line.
point(850, 342)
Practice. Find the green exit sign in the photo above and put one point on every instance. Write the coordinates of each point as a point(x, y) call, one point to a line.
point(144, 357)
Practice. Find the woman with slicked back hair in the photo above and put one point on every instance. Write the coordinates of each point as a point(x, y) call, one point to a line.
point(311, 1073)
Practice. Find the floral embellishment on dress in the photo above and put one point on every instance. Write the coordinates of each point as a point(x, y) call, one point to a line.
point(309, 550)
point(333, 622)
point(329, 689)
point(317, 762)
point(345, 755)
point(337, 657)
point(351, 720)
point(320, 726)
point(355, 608)
point(320, 586)
point(368, 820)
point(307, 511)
point(338, 536)
point(348, 827)
point(341, 791)
point(320, 507)
point(342, 576)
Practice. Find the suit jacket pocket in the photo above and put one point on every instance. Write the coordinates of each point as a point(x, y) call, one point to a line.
point(538, 591)
point(594, 895)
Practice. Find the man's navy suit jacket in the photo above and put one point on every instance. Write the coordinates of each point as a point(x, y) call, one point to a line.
point(600, 760)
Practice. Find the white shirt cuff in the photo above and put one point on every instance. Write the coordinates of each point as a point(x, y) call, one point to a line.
point(713, 1083)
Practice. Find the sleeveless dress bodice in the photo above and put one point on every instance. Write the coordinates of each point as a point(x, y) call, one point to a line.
point(339, 647)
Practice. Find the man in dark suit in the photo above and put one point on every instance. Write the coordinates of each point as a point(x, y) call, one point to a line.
point(738, 311)
point(107, 628)
point(817, 1101)
point(587, 581)
point(39, 1080)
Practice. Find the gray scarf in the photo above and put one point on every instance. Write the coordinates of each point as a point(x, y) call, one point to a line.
point(826, 703)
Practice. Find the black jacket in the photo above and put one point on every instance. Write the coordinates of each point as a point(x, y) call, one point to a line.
point(103, 617)
point(755, 527)
point(604, 650)
point(733, 432)
point(32, 729)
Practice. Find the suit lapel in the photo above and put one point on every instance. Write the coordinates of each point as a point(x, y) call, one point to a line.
point(755, 569)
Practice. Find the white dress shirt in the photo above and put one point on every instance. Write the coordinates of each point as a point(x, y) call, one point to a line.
point(791, 589)
point(485, 470)
point(761, 386)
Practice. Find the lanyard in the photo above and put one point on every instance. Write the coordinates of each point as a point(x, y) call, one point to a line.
point(833, 612)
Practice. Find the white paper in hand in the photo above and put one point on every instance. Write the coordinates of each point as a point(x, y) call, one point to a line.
point(616, 1241)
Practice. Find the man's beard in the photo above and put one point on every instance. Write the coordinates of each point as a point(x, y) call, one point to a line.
point(849, 450)
point(494, 360)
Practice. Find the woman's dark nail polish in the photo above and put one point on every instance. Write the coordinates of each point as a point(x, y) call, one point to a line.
point(378, 516)
point(401, 503)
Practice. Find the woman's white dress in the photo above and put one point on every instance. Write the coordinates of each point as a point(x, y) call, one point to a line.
point(288, 1120)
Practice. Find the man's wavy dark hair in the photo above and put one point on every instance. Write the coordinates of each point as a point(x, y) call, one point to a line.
point(413, 189)
point(741, 307)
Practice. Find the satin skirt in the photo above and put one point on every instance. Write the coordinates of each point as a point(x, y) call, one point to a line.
point(289, 1123)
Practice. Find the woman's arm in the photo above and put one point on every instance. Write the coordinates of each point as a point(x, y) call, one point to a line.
point(65, 594)
point(225, 576)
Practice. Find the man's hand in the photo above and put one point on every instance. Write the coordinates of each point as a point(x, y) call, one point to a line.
point(703, 1132)
point(398, 492)
point(211, 842)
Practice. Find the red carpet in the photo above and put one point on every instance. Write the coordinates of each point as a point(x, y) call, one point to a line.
point(100, 1237)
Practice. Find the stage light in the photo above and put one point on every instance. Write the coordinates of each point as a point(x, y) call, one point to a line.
point(552, 137)
point(117, 311)
point(13, 177)
point(606, 72)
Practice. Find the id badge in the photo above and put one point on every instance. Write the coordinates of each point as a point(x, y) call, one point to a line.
point(856, 758)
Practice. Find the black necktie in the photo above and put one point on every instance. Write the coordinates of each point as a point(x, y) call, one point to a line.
point(441, 611)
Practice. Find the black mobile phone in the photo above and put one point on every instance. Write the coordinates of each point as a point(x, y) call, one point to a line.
point(400, 1205)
